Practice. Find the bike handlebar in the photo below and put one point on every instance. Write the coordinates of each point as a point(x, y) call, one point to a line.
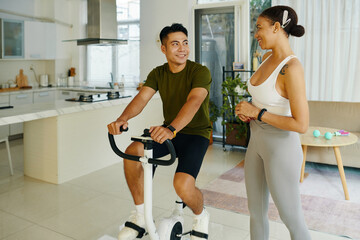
point(156, 161)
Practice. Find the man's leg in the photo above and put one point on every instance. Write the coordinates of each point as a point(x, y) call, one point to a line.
point(134, 175)
point(185, 188)
point(191, 150)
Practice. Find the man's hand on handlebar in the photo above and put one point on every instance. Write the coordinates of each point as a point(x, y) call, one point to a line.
point(114, 127)
point(160, 134)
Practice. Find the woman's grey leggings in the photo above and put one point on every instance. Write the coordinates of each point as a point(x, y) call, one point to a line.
point(272, 163)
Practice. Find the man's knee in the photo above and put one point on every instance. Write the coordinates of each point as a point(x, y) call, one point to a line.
point(184, 184)
point(136, 149)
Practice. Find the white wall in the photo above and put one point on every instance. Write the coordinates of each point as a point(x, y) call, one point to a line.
point(154, 15)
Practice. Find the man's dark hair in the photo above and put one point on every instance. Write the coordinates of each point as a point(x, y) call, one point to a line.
point(175, 27)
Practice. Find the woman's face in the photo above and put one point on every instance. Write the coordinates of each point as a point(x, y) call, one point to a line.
point(264, 33)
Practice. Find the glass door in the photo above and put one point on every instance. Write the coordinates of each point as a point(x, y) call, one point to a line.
point(215, 48)
point(12, 37)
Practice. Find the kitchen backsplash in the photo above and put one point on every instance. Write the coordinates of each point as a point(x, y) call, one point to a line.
point(10, 68)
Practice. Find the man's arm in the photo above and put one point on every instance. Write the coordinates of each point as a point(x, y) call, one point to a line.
point(184, 117)
point(133, 109)
point(190, 108)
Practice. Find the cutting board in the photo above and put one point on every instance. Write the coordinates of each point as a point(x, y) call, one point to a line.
point(21, 79)
point(15, 89)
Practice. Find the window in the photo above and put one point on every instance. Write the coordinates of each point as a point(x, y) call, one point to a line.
point(118, 62)
point(256, 7)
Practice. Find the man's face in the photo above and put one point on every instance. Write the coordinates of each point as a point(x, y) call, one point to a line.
point(176, 48)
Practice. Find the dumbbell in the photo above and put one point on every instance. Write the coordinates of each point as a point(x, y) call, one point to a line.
point(327, 135)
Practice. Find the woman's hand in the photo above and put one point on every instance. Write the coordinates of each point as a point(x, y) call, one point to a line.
point(246, 111)
point(160, 134)
point(244, 118)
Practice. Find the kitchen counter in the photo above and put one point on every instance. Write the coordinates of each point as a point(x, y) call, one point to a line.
point(65, 140)
point(76, 89)
point(23, 90)
point(36, 111)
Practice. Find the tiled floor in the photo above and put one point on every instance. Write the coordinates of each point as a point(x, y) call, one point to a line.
point(96, 204)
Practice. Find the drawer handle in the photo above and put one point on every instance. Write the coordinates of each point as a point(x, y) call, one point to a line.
point(43, 94)
point(20, 96)
point(65, 93)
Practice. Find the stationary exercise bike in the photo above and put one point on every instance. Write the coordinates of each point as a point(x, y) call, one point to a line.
point(170, 228)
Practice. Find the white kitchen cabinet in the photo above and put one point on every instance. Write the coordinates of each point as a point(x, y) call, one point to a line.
point(4, 99)
point(12, 38)
point(40, 40)
point(21, 98)
point(17, 99)
point(4, 130)
point(44, 96)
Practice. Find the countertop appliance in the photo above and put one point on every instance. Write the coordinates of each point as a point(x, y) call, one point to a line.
point(97, 97)
point(44, 80)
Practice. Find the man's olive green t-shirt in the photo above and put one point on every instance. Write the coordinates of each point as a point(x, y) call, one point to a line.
point(174, 89)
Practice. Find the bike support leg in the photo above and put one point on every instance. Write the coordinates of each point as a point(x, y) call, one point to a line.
point(148, 177)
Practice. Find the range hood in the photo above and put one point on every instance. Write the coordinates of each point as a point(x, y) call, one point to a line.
point(101, 25)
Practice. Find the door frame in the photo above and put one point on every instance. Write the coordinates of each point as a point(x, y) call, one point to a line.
point(241, 23)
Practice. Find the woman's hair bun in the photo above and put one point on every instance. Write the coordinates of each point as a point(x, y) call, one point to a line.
point(297, 30)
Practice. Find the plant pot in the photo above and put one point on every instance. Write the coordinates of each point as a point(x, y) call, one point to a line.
point(211, 140)
point(233, 137)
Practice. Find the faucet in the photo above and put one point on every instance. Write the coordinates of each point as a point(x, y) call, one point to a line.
point(112, 81)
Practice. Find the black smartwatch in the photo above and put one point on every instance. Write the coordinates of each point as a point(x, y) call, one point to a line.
point(171, 128)
point(261, 113)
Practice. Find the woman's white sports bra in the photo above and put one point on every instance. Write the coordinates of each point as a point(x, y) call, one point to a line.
point(266, 96)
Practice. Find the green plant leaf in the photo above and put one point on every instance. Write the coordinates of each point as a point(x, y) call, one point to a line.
point(234, 90)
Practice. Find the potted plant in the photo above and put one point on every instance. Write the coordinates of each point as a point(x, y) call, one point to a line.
point(214, 113)
point(234, 90)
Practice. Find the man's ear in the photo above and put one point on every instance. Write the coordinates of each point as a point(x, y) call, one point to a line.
point(163, 48)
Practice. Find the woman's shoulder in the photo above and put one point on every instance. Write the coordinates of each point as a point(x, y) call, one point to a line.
point(295, 64)
point(292, 69)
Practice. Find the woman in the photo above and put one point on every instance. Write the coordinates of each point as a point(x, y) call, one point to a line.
point(279, 111)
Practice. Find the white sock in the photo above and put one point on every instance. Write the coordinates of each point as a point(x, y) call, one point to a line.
point(140, 209)
point(201, 214)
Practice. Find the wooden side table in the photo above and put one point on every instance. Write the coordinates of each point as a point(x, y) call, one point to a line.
point(335, 142)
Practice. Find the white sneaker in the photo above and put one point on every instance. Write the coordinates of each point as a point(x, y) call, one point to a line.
point(127, 233)
point(201, 226)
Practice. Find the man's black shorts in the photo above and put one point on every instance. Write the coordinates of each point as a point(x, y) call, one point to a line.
point(190, 151)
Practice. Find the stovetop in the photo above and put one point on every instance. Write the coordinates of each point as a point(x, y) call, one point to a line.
point(97, 97)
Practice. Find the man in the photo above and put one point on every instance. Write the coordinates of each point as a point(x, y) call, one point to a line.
point(184, 89)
